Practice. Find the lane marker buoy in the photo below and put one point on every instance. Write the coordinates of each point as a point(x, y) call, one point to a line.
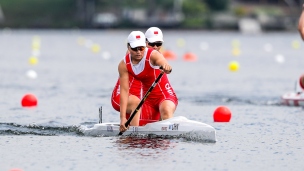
point(29, 100)
point(222, 114)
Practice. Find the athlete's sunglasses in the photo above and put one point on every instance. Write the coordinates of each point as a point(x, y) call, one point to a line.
point(155, 43)
point(140, 48)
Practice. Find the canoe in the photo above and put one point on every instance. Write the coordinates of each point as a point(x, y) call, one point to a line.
point(178, 126)
point(293, 99)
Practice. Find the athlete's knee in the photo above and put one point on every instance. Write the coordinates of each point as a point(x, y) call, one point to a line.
point(115, 104)
point(167, 113)
point(167, 109)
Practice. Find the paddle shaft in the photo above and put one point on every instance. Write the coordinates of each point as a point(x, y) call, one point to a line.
point(142, 101)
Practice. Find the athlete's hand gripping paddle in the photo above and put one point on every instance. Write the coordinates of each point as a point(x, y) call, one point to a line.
point(143, 99)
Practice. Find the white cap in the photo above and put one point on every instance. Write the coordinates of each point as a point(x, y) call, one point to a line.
point(136, 38)
point(154, 34)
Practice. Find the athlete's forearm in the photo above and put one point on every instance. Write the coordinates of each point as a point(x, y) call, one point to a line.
point(124, 94)
point(159, 60)
point(124, 88)
point(123, 102)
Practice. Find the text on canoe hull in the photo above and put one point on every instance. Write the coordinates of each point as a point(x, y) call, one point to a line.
point(172, 127)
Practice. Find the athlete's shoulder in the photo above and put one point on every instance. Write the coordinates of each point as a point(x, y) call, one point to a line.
point(126, 58)
point(122, 65)
point(155, 54)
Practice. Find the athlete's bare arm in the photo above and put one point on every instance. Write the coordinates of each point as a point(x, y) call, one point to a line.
point(157, 59)
point(301, 23)
point(124, 92)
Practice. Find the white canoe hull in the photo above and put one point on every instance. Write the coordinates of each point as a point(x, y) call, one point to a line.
point(176, 126)
point(293, 99)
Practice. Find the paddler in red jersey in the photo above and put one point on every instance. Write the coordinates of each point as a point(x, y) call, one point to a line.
point(154, 39)
point(143, 64)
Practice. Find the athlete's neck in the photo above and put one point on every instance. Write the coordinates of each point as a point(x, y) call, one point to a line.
point(135, 60)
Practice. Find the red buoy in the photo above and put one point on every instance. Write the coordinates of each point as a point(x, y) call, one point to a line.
point(29, 100)
point(222, 114)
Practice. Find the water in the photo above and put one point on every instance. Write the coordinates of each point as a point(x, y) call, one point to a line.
point(73, 82)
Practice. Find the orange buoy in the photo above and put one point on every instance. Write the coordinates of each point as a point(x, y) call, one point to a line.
point(222, 114)
point(29, 100)
point(169, 55)
point(189, 57)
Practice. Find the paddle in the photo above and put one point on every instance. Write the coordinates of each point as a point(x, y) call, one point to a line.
point(142, 100)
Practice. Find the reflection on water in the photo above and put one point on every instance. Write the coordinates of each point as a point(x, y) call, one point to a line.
point(145, 146)
point(146, 142)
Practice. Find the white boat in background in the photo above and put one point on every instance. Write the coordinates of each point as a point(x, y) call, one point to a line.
point(293, 99)
point(174, 127)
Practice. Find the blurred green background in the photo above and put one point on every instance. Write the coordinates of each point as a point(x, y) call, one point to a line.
point(177, 14)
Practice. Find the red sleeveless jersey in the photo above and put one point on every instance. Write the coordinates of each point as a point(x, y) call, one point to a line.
point(148, 75)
